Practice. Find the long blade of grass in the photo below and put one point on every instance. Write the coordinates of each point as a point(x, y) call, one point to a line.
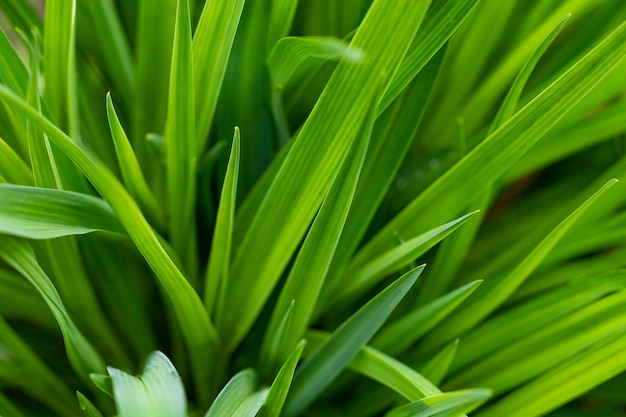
point(550, 345)
point(494, 155)
point(392, 136)
point(112, 43)
point(327, 362)
point(398, 336)
point(437, 368)
point(286, 212)
point(212, 43)
point(491, 295)
point(219, 258)
point(13, 168)
point(33, 375)
point(240, 387)
point(308, 273)
point(43, 213)
point(356, 280)
point(86, 406)
point(565, 382)
point(83, 357)
point(132, 174)
point(443, 19)
point(197, 329)
point(530, 316)
point(280, 387)
point(281, 17)
point(180, 145)
point(153, 60)
point(450, 404)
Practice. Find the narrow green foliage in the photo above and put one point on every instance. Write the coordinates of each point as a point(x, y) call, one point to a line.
point(370, 137)
point(330, 358)
point(219, 259)
point(450, 404)
point(82, 355)
point(131, 171)
point(233, 394)
point(280, 387)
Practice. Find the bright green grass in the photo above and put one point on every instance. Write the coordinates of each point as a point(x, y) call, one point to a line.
point(312, 208)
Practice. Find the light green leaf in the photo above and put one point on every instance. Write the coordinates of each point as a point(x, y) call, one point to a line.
point(82, 356)
point(157, 392)
point(450, 404)
point(489, 160)
point(12, 167)
point(219, 258)
point(87, 407)
point(251, 405)
point(280, 387)
point(308, 273)
point(240, 387)
point(212, 43)
point(197, 330)
point(550, 345)
point(327, 362)
point(398, 336)
point(42, 213)
point(286, 212)
point(180, 145)
point(577, 375)
point(442, 20)
point(295, 55)
point(359, 278)
point(535, 313)
point(131, 171)
point(281, 17)
point(492, 295)
point(437, 368)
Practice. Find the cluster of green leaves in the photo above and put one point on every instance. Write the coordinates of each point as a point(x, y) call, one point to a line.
point(278, 270)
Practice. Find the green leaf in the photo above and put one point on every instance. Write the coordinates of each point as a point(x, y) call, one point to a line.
point(132, 175)
point(286, 212)
point(112, 43)
point(280, 387)
point(442, 20)
point(489, 160)
point(437, 368)
point(219, 258)
point(180, 144)
point(293, 56)
point(82, 356)
point(509, 105)
point(87, 407)
point(212, 43)
point(103, 382)
point(533, 314)
point(12, 167)
point(251, 405)
point(281, 18)
point(359, 278)
point(197, 330)
point(157, 392)
point(450, 404)
point(492, 295)
point(550, 345)
point(390, 142)
point(13, 72)
point(308, 273)
point(43, 213)
point(327, 362)
point(240, 387)
point(577, 375)
point(398, 336)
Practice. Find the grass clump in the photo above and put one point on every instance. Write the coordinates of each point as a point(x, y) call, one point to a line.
point(225, 208)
